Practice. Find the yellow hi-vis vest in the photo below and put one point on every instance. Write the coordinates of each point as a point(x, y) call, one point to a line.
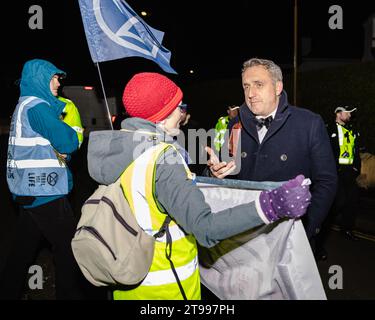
point(346, 143)
point(138, 184)
point(220, 129)
point(72, 118)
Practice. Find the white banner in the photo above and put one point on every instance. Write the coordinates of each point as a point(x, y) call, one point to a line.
point(272, 262)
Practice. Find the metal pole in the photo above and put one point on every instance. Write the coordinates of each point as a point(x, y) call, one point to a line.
point(295, 52)
point(105, 96)
point(240, 184)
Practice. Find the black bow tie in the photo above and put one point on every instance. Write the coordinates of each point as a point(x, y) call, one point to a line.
point(260, 122)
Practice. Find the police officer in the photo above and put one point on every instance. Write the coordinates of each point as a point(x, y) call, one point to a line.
point(344, 140)
point(72, 118)
point(221, 126)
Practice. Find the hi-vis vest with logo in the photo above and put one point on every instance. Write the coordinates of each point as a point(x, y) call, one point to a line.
point(33, 168)
point(346, 143)
point(138, 184)
point(72, 118)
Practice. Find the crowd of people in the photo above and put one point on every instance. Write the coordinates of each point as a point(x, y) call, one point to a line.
point(268, 138)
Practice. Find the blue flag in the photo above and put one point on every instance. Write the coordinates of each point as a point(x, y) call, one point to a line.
point(114, 31)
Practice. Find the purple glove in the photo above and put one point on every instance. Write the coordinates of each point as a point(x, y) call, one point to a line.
point(288, 201)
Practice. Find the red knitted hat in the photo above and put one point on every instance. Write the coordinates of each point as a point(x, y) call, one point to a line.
point(151, 96)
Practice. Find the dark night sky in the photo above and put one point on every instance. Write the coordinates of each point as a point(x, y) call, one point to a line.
point(211, 37)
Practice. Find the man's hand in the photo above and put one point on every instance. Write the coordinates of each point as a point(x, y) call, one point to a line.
point(219, 169)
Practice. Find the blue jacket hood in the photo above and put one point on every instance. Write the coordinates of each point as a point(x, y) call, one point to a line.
point(35, 81)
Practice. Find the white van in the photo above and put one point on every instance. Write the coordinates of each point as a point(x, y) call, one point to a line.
point(92, 107)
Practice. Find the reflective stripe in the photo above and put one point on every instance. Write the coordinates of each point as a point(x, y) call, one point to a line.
point(28, 142)
point(141, 207)
point(345, 161)
point(341, 135)
point(46, 163)
point(77, 129)
point(176, 234)
point(157, 278)
point(18, 122)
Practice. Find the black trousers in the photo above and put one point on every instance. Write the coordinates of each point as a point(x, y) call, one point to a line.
point(55, 222)
point(344, 208)
point(346, 202)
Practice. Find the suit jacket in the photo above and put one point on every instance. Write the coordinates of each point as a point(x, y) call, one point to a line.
point(296, 143)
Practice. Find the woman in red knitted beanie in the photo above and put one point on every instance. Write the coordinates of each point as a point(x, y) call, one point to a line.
point(157, 181)
point(151, 96)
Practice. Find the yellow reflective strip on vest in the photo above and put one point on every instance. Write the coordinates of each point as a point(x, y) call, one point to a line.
point(341, 135)
point(163, 292)
point(78, 129)
point(157, 278)
point(345, 161)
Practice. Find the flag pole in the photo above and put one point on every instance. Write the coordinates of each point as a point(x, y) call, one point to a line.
point(105, 96)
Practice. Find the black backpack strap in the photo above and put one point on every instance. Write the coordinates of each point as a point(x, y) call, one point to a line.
point(164, 229)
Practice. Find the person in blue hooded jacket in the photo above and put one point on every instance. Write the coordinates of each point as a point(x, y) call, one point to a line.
point(40, 144)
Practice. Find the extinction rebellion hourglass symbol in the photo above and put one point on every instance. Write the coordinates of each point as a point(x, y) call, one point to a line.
point(52, 178)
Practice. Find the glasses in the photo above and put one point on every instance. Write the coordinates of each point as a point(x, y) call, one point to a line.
point(183, 107)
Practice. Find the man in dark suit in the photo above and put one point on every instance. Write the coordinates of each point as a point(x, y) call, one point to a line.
point(279, 141)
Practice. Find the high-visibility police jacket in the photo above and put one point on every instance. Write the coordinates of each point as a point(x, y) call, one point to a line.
point(220, 129)
point(138, 183)
point(347, 144)
point(72, 118)
point(33, 168)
